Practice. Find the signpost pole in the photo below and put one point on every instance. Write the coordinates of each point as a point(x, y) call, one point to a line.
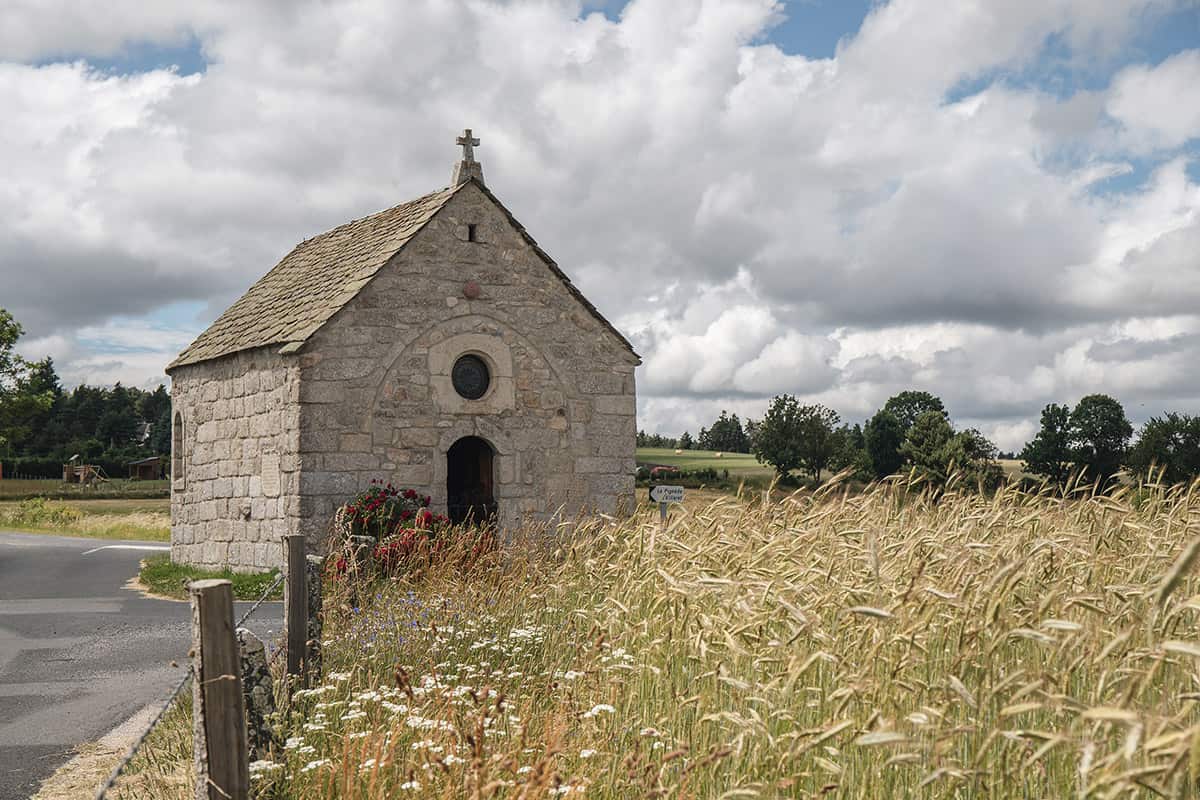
point(664, 496)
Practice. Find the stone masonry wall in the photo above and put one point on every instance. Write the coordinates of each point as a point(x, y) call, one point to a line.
point(239, 491)
point(375, 392)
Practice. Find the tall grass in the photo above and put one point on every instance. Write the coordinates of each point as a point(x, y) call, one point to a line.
point(860, 645)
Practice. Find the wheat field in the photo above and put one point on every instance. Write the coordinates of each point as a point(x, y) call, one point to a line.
point(888, 643)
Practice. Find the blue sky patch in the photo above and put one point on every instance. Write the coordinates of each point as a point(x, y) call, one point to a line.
point(186, 56)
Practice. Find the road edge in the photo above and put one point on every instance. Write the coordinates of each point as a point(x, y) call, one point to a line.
point(83, 774)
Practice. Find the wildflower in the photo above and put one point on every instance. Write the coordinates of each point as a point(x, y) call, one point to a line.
point(410, 786)
point(293, 742)
point(263, 769)
point(587, 753)
point(571, 675)
point(310, 766)
point(597, 710)
point(524, 770)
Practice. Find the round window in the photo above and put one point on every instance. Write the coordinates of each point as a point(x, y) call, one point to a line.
point(471, 377)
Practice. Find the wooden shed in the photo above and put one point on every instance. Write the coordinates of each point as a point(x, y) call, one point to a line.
point(146, 469)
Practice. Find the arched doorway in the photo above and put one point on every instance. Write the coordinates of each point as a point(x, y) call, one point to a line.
point(469, 481)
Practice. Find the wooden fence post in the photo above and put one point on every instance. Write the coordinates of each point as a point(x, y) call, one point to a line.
point(218, 710)
point(295, 604)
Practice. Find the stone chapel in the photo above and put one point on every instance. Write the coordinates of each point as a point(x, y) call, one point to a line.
point(433, 345)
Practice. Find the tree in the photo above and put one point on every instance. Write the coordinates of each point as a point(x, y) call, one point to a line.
point(974, 455)
point(883, 436)
point(751, 429)
point(779, 433)
point(22, 397)
point(160, 434)
point(850, 453)
point(726, 435)
point(907, 406)
point(1100, 434)
point(151, 405)
point(1170, 443)
point(937, 452)
point(685, 441)
point(1049, 453)
point(925, 445)
point(818, 441)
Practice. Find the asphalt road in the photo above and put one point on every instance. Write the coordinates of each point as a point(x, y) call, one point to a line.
point(79, 653)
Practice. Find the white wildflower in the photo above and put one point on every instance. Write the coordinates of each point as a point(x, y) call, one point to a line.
point(310, 766)
point(587, 753)
point(410, 786)
point(597, 710)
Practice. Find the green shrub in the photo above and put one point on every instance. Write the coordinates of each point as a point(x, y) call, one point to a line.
point(38, 512)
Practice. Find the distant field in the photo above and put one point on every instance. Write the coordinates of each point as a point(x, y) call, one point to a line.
point(743, 464)
point(736, 463)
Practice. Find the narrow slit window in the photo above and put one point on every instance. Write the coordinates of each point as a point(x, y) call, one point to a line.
point(471, 234)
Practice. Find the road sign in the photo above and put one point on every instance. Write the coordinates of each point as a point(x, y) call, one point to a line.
point(666, 494)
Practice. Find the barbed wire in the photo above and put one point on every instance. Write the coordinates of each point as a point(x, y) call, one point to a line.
point(102, 792)
point(278, 580)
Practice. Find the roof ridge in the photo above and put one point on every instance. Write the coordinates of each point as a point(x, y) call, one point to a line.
point(321, 274)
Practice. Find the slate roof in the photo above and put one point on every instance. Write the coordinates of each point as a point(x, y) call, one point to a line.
point(322, 274)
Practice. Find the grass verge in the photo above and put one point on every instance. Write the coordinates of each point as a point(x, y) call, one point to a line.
point(145, 520)
point(162, 576)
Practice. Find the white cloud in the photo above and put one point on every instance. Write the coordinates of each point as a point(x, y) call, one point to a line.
point(757, 222)
point(1157, 105)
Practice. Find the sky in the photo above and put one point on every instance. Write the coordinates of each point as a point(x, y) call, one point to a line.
point(995, 202)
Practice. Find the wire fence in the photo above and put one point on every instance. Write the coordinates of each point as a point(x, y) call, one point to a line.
point(184, 682)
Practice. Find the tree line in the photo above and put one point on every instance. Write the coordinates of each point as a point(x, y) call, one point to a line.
point(1095, 440)
point(42, 425)
point(912, 430)
point(727, 434)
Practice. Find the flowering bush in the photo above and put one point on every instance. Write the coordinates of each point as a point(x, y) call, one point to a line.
point(407, 533)
point(383, 509)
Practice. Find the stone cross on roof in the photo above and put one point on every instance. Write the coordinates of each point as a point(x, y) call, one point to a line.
point(468, 167)
point(468, 144)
